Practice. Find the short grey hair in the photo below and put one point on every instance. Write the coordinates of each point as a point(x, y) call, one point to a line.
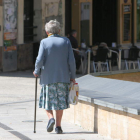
point(53, 26)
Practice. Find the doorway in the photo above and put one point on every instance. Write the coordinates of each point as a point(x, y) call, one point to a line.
point(28, 20)
point(68, 15)
point(105, 21)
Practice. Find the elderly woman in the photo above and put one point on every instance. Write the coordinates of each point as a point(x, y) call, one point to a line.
point(57, 63)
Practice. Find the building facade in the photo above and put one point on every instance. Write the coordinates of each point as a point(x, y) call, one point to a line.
point(22, 25)
point(107, 21)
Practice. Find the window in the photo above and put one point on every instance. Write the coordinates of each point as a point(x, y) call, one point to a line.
point(126, 23)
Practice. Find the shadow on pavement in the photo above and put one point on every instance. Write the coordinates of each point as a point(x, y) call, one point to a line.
point(76, 133)
point(24, 74)
point(20, 102)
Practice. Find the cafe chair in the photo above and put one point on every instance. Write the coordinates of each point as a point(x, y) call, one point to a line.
point(124, 59)
point(114, 58)
point(100, 63)
point(133, 58)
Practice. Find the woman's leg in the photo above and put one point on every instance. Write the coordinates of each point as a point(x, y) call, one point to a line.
point(51, 121)
point(59, 114)
point(49, 114)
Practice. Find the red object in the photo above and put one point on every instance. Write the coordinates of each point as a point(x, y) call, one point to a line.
point(76, 83)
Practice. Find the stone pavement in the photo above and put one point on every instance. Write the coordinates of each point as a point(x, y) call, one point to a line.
point(17, 112)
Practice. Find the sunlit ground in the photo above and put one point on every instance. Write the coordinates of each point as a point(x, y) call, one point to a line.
point(134, 77)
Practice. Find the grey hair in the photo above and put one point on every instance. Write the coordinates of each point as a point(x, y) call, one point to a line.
point(53, 26)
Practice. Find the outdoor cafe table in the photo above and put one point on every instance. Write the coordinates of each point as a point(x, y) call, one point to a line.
point(86, 64)
point(120, 54)
point(118, 51)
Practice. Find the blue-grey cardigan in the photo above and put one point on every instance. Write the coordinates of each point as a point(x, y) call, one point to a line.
point(56, 60)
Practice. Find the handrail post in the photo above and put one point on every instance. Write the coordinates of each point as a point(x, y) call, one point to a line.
point(120, 51)
point(35, 105)
point(88, 62)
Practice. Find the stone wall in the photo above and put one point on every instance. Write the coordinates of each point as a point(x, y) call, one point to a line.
point(0, 2)
point(25, 57)
point(105, 121)
point(1, 58)
point(1, 24)
point(53, 9)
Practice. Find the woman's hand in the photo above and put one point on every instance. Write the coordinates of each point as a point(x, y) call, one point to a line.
point(73, 80)
point(35, 74)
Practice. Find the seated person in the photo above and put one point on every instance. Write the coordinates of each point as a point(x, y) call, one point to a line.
point(103, 44)
point(95, 48)
point(94, 51)
point(74, 44)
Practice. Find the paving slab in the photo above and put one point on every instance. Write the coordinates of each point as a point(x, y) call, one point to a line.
point(17, 113)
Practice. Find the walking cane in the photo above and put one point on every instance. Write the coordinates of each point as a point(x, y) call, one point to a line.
point(35, 105)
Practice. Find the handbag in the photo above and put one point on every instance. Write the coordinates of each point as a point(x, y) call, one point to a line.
point(73, 93)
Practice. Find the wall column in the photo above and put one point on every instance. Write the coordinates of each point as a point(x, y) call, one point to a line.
point(1, 33)
point(75, 17)
point(1, 25)
point(38, 20)
point(118, 22)
point(132, 22)
point(135, 21)
point(20, 28)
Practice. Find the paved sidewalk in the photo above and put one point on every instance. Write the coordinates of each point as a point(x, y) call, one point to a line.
point(17, 112)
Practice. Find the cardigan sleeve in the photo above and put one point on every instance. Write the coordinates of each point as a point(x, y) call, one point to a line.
point(71, 61)
point(40, 58)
